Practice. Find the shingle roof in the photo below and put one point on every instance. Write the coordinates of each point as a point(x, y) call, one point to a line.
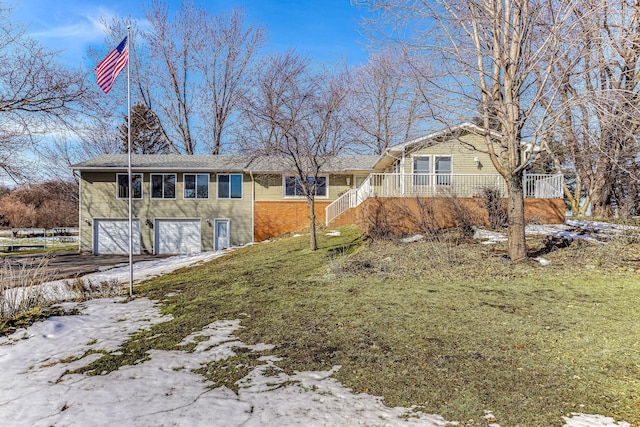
point(334, 164)
point(222, 163)
point(164, 162)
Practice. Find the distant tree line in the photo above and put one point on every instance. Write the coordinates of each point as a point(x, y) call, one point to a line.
point(46, 205)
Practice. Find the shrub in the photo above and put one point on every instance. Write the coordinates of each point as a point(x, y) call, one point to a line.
point(495, 205)
point(18, 287)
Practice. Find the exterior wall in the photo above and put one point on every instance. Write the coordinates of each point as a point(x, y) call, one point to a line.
point(274, 218)
point(462, 153)
point(271, 187)
point(404, 215)
point(98, 201)
point(276, 214)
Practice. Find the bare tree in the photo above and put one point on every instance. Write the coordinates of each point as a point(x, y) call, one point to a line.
point(597, 121)
point(494, 59)
point(190, 69)
point(224, 62)
point(169, 88)
point(37, 95)
point(389, 106)
point(297, 116)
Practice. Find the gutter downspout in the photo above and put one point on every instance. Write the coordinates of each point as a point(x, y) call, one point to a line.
point(253, 207)
point(80, 214)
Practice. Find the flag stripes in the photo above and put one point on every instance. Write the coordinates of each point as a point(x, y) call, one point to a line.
point(108, 69)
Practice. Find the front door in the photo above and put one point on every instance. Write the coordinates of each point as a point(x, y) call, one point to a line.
point(221, 237)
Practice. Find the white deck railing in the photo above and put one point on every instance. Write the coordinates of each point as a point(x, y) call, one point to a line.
point(440, 185)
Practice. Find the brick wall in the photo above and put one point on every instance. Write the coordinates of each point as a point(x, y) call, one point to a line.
point(401, 214)
point(274, 218)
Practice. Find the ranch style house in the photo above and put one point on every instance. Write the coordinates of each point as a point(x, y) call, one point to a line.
point(184, 204)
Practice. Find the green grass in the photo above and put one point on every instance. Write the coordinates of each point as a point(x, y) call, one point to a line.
point(445, 324)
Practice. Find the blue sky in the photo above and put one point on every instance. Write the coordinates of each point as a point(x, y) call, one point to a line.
point(328, 30)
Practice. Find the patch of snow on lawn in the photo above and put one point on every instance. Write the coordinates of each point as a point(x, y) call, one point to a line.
point(489, 237)
point(38, 390)
point(58, 290)
point(593, 231)
point(416, 238)
point(585, 420)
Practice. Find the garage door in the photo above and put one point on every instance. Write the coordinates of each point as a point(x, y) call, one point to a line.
point(177, 236)
point(111, 236)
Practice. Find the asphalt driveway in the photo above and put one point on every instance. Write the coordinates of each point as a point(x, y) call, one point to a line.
point(65, 265)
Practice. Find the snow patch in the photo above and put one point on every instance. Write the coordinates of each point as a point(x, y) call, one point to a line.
point(585, 420)
point(37, 388)
point(416, 238)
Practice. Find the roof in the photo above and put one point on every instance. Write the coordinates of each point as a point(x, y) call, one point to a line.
point(391, 153)
point(216, 163)
point(163, 162)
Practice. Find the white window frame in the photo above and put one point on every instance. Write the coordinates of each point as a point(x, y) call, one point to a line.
point(175, 186)
point(436, 174)
point(298, 196)
point(126, 175)
point(184, 186)
point(230, 175)
point(426, 182)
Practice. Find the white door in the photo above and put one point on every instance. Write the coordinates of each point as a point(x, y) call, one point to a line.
point(111, 236)
point(222, 234)
point(177, 236)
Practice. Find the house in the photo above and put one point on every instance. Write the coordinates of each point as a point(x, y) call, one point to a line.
point(439, 170)
point(185, 204)
point(197, 203)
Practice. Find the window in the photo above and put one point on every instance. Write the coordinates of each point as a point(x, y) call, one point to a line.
point(123, 185)
point(293, 186)
point(443, 170)
point(196, 186)
point(422, 170)
point(163, 186)
point(230, 186)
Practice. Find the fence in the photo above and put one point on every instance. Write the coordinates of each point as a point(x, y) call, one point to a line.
point(37, 238)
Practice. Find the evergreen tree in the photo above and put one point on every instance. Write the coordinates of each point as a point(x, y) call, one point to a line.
point(146, 136)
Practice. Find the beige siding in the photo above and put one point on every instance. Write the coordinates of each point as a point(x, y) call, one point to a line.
point(270, 187)
point(462, 152)
point(99, 201)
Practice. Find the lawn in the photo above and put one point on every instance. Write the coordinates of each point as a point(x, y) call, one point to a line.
point(444, 324)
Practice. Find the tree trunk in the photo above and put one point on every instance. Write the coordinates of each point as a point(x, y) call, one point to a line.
point(312, 223)
point(600, 196)
point(515, 233)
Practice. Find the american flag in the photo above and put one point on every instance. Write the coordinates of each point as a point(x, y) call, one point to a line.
point(109, 68)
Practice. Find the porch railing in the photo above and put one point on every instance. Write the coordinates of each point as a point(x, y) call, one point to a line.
point(441, 185)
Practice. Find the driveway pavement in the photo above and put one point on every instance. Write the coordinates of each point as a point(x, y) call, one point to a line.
point(64, 265)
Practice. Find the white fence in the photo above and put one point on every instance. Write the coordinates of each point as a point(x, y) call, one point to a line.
point(35, 238)
point(441, 185)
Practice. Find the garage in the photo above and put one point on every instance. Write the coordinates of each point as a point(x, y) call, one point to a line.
point(177, 236)
point(111, 236)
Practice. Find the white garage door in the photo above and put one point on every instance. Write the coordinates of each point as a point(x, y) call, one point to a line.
point(111, 236)
point(177, 236)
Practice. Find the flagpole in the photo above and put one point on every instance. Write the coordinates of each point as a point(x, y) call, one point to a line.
point(129, 166)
